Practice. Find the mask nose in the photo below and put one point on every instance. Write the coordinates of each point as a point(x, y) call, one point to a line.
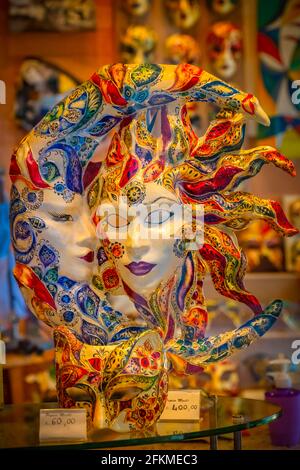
point(85, 232)
point(137, 252)
point(136, 246)
point(139, 56)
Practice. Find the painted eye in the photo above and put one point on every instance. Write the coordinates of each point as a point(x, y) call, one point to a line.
point(273, 244)
point(158, 217)
point(61, 217)
point(252, 245)
point(117, 221)
point(128, 49)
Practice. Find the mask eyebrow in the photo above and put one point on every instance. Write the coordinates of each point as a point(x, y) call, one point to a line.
point(62, 208)
point(163, 199)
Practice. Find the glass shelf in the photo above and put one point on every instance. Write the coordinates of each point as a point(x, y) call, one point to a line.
point(19, 425)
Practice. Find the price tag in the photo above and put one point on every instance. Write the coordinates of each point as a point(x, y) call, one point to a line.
point(182, 405)
point(63, 424)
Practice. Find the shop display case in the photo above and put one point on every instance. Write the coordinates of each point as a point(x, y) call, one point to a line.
point(19, 426)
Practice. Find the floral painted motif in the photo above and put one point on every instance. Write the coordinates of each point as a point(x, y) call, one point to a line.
point(110, 278)
point(117, 250)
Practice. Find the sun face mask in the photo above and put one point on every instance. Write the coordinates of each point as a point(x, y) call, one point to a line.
point(138, 44)
point(88, 235)
point(183, 13)
point(224, 44)
point(182, 48)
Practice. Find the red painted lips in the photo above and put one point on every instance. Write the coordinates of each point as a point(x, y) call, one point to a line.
point(89, 257)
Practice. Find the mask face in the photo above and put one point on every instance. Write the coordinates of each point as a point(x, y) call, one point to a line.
point(295, 256)
point(137, 7)
point(183, 13)
point(40, 86)
point(61, 237)
point(53, 15)
point(123, 386)
point(181, 48)
point(226, 378)
point(294, 212)
point(222, 7)
point(222, 378)
point(262, 247)
point(143, 243)
point(138, 45)
point(224, 48)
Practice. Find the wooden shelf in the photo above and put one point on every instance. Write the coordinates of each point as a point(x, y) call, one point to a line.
point(282, 334)
point(276, 276)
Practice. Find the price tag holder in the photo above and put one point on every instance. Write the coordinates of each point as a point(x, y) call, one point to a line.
point(63, 424)
point(182, 405)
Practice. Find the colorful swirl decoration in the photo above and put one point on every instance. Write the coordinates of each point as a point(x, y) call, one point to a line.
point(125, 310)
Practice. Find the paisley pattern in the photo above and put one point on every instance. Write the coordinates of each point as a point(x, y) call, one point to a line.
point(119, 364)
point(129, 379)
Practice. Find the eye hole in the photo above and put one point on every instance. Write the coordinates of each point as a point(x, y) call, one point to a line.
point(117, 221)
point(128, 49)
point(273, 244)
point(61, 217)
point(252, 245)
point(158, 217)
point(235, 48)
point(217, 48)
point(226, 376)
point(124, 395)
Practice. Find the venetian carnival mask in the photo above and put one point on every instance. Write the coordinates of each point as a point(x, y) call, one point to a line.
point(123, 386)
point(136, 7)
point(224, 44)
point(295, 256)
point(183, 13)
point(87, 234)
point(294, 212)
point(221, 378)
point(222, 7)
point(52, 15)
point(138, 44)
point(262, 246)
point(182, 48)
point(40, 86)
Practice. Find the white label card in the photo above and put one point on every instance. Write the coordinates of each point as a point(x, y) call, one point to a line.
point(182, 405)
point(63, 424)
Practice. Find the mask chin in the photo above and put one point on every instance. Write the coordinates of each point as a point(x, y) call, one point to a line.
point(226, 69)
